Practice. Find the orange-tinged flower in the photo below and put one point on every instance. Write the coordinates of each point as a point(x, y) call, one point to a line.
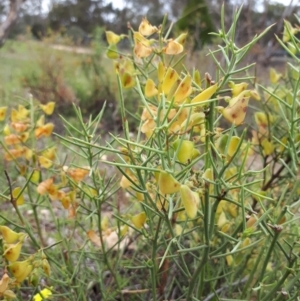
point(68, 199)
point(45, 130)
point(94, 238)
point(14, 154)
point(2, 113)
point(146, 29)
point(72, 210)
point(12, 139)
point(45, 186)
point(19, 126)
point(173, 48)
point(55, 194)
point(236, 112)
point(146, 114)
point(175, 124)
point(4, 283)
point(148, 127)
point(141, 51)
point(139, 38)
point(77, 174)
point(48, 108)
point(184, 89)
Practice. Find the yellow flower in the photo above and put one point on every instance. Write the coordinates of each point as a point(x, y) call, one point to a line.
point(2, 113)
point(42, 295)
point(48, 108)
point(45, 130)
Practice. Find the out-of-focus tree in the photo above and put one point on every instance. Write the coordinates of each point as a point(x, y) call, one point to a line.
point(197, 20)
point(11, 17)
point(133, 12)
point(86, 14)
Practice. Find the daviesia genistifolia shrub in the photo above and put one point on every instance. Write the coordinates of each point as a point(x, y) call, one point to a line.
point(205, 202)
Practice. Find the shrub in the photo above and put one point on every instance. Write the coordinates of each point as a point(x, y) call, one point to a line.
point(210, 213)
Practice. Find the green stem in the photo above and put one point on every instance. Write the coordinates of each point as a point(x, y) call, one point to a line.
point(267, 258)
point(279, 284)
point(36, 218)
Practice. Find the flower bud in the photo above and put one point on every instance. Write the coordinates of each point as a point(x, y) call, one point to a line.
point(46, 267)
point(4, 283)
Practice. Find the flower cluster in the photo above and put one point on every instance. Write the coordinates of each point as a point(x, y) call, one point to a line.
point(28, 268)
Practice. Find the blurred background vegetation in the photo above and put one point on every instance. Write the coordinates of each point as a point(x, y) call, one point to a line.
point(55, 50)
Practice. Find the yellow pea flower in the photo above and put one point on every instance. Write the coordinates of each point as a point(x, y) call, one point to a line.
point(45, 130)
point(48, 108)
point(16, 194)
point(150, 89)
point(146, 29)
point(139, 220)
point(9, 235)
point(12, 252)
point(173, 47)
point(42, 295)
point(2, 113)
point(167, 183)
